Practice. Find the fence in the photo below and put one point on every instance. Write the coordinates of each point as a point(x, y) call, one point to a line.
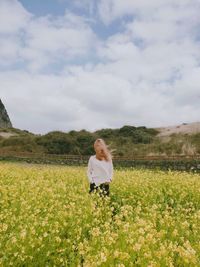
point(174, 162)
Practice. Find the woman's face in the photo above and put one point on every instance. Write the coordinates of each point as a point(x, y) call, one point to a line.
point(98, 148)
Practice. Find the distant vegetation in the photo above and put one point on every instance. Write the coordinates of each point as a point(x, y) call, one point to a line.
point(127, 141)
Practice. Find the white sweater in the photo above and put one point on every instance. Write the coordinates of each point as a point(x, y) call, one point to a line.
point(99, 171)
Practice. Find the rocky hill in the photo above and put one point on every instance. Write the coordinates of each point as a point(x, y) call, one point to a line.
point(4, 118)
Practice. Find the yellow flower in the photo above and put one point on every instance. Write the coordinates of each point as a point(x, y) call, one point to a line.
point(57, 238)
point(4, 227)
point(103, 257)
point(175, 232)
point(137, 246)
point(13, 240)
point(45, 234)
point(23, 234)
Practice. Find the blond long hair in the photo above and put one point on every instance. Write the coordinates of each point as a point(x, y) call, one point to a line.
point(107, 152)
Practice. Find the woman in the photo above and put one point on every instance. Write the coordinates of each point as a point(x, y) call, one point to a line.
point(100, 168)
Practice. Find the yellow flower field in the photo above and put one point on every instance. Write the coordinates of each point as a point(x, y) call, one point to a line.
point(48, 218)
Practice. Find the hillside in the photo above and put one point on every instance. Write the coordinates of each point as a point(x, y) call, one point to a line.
point(185, 128)
point(127, 141)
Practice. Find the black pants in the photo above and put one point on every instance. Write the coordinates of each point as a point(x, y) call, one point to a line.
point(104, 187)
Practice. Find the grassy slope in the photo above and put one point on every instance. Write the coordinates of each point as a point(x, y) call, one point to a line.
point(124, 144)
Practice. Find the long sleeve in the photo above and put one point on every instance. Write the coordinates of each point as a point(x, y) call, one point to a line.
point(111, 171)
point(89, 171)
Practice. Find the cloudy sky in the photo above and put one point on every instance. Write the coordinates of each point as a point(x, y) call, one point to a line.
point(92, 64)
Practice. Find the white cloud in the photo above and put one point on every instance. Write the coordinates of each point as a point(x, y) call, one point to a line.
point(51, 40)
point(13, 16)
point(38, 42)
point(109, 10)
point(65, 33)
point(9, 50)
point(84, 4)
point(42, 103)
point(146, 74)
point(35, 101)
point(52, 102)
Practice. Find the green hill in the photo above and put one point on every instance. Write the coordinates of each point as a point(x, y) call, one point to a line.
point(126, 141)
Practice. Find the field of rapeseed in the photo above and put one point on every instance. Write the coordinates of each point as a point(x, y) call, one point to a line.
point(47, 218)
